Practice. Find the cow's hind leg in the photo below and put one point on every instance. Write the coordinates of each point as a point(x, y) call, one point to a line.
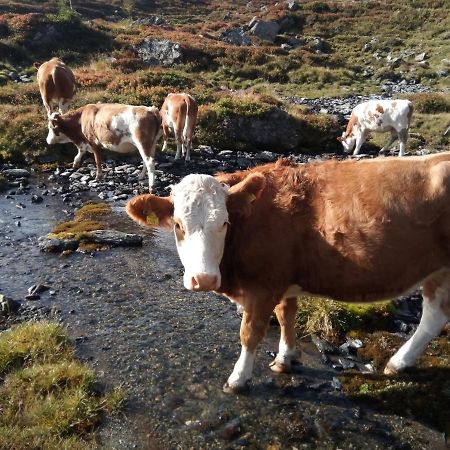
point(285, 312)
point(435, 314)
point(403, 137)
point(391, 140)
point(253, 328)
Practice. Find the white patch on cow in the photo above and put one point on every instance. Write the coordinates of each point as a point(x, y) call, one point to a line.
point(122, 125)
point(243, 369)
point(285, 353)
point(83, 147)
point(52, 136)
point(432, 321)
point(201, 213)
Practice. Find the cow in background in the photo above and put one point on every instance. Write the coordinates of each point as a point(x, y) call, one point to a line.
point(350, 230)
point(378, 116)
point(120, 128)
point(179, 114)
point(56, 84)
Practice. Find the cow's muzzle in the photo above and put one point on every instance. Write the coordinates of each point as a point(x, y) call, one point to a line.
point(204, 282)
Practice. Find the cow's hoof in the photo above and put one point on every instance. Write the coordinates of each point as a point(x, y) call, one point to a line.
point(279, 367)
point(390, 369)
point(236, 389)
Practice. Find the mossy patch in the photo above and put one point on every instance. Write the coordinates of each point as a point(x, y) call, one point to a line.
point(48, 399)
point(332, 319)
point(422, 393)
point(89, 217)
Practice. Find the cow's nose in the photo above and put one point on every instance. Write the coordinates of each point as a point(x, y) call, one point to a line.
point(204, 282)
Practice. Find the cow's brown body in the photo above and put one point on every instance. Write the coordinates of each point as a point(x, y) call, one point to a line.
point(341, 229)
point(56, 84)
point(179, 114)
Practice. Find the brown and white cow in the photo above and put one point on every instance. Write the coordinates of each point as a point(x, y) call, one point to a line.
point(56, 84)
point(378, 116)
point(354, 230)
point(179, 114)
point(120, 128)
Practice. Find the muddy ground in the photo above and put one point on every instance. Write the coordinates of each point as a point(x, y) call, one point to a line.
point(171, 349)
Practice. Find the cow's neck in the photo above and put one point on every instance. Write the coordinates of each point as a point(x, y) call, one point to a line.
point(70, 125)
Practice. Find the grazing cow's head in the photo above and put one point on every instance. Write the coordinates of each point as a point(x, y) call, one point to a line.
point(199, 211)
point(55, 135)
point(348, 141)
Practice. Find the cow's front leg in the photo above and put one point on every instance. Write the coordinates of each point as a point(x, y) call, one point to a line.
point(253, 328)
point(359, 142)
point(287, 354)
point(98, 163)
point(77, 160)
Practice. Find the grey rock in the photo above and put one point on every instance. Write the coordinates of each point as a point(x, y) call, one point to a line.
point(423, 64)
point(286, 46)
point(442, 73)
point(53, 245)
point(445, 62)
point(235, 36)
point(292, 5)
point(8, 306)
point(159, 52)
point(265, 30)
point(16, 173)
point(421, 57)
point(113, 238)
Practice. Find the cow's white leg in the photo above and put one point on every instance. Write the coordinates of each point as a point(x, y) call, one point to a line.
point(164, 147)
point(253, 329)
point(359, 142)
point(148, 157)
point(391, 140)
point(179, 147)
point(187, 145)
point(143, 172)
point(77, 160)
point(285, 312)
point(403, 137)
point(435, 314)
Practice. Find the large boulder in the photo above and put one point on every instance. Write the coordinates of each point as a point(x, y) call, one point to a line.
point(235, 36)
point(159, 52)
point(265, 30)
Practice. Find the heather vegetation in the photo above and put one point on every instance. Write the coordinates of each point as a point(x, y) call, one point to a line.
point(321, 49)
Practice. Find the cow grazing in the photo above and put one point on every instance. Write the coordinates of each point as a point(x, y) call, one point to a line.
point(120, 128)
point(354, 230)
point(179, 114)
point(56, 84)
point(378, 116)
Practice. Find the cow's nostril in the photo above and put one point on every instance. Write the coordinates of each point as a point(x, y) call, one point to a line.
point(204, 281)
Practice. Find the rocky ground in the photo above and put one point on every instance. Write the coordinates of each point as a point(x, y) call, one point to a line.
point(172, 349)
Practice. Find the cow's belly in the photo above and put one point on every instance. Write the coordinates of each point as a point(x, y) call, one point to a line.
point(122, 147)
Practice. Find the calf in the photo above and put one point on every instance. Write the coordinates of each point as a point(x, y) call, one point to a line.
point(354, 230)
point(179, 113)
point(56, 84)
point(378, 116)
point(120, 128)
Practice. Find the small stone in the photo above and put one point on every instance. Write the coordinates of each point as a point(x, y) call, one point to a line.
point(336, 384)
point(36, 199)
point(231, 429)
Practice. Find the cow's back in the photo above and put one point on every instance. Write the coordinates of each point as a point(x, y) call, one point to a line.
point(56, 80)
point(351, 230)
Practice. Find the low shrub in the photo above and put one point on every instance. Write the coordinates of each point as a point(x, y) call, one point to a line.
point(431, 103)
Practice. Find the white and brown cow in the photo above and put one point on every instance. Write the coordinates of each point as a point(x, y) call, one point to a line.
point(56, 84)
point(354, 230)
point(179, 114)
point(378, 116)
point(120, 128)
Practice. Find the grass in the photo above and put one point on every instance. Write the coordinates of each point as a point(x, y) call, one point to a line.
point(331, 319)
point(48, 398)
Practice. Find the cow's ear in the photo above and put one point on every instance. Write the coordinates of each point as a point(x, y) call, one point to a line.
point(340, 138)
point(36, 65)
point(242, 195)
point(151, 211)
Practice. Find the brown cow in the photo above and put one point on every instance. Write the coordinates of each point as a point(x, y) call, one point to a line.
point(358, 231)
point(56, 84)
point(120, 128)
point(179, 114)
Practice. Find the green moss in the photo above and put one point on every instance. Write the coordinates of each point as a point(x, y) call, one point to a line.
point(48, 398)
point(422, 393)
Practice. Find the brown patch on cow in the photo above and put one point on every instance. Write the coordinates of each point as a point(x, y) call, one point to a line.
point(380, 109)
point(148, 130)
point(351, 123)
point(371, 116)
point(184, 110)
point(410, 112)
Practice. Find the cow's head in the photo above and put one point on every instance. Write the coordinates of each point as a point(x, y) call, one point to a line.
point(55, 135)
point(199, 210)
point(348, 141)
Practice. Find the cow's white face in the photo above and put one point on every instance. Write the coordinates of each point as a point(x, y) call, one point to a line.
point(55, 135)
point(200, 221)
point(197, 211)
point(348, 142)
